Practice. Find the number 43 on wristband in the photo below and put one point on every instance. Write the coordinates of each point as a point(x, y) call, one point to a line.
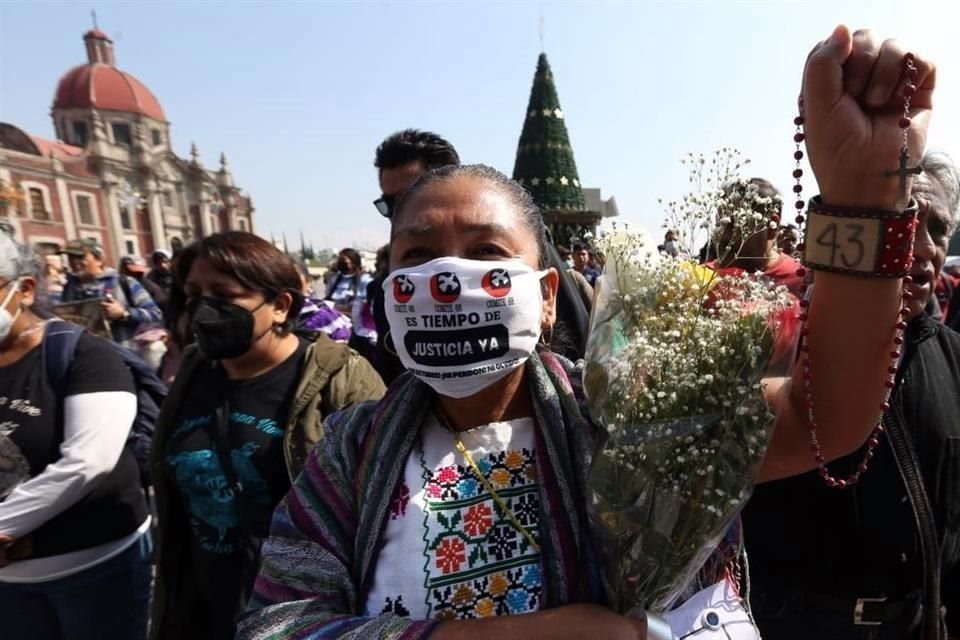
point(867, 242)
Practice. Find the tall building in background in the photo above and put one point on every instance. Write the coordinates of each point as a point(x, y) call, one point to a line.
point(111, 174)
point(545, 163)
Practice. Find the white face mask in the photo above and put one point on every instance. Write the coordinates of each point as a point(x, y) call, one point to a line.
point(6, 318)
point(460, 325)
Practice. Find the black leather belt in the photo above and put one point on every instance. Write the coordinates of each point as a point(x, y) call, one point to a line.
point(854, 610)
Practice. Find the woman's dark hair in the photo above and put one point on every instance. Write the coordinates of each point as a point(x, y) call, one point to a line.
point(527, 210)
point(410, 145)
point(175, 316)
point(255, 263)
point(354, 257)
point(382, 261)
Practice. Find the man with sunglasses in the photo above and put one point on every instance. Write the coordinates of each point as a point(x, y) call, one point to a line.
point(400, 160)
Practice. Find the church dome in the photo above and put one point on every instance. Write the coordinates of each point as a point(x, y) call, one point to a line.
point(100, 85)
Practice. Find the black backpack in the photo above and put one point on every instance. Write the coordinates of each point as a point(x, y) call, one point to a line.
point(59, 345)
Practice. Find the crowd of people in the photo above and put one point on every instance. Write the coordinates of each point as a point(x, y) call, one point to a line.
point(292, 458)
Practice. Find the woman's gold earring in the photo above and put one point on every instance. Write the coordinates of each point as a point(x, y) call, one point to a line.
point(546, 336)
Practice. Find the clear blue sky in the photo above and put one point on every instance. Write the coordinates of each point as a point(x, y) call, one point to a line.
point(299, 94)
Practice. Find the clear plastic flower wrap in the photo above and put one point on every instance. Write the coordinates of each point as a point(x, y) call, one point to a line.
point(675, 369)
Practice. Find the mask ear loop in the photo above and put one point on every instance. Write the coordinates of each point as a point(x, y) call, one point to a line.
point(274, 328)
point(279, 328)
point(388, 345)
point(15, 287)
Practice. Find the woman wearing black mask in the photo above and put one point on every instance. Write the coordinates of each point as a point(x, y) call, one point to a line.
point(348, 292)
point(243, 413)
point(349, 283)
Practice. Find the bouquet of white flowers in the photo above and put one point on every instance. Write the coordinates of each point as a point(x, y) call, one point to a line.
point(675, 370)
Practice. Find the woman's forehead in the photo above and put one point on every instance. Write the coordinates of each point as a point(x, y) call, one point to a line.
point(459, 202)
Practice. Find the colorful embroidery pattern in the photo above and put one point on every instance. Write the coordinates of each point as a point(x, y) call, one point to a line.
point(478, 564)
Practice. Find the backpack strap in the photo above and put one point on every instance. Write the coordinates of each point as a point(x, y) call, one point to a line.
point(57, 350)
point(221, 434)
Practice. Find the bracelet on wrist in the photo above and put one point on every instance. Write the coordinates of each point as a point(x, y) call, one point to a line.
point(857, 241)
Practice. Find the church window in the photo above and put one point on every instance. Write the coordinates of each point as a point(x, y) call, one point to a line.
point(156, 137)
point(38, 205)
point(121, 133)
point(167, 199)
point(80, 132)
point(125, 218)
point(84, 210)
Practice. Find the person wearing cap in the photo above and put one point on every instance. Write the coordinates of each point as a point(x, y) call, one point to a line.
point(133, 267)
point(75, 541)
point(159, 280)
point(150, 339)
point(125, 302)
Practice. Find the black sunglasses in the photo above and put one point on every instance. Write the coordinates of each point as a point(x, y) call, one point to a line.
point(384, 205)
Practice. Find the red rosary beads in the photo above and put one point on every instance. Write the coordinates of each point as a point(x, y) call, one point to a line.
point(874, 440)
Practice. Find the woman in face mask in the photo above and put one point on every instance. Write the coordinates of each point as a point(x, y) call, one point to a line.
point(349, 282)
point(458, 501)
point(243, 413)
point(460, 495)
point(74, 526)
point(348, 293)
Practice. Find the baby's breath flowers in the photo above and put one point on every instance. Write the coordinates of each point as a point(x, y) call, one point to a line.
point(722, 210)
point(674, 370)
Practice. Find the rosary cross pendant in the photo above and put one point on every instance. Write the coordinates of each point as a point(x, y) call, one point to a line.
point(903, 172)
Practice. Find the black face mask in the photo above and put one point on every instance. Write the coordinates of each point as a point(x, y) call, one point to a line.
point(223, 330)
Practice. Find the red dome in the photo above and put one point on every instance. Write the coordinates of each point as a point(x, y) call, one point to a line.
point(102, 86)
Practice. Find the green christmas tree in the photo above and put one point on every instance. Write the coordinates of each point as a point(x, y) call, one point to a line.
point(545, 165)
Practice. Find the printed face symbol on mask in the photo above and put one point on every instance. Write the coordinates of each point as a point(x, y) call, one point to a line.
point(403, 289)
point(497, 283)
point(445, 287)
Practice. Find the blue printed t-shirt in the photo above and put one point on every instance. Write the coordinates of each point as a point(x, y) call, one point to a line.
point(222, 524)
